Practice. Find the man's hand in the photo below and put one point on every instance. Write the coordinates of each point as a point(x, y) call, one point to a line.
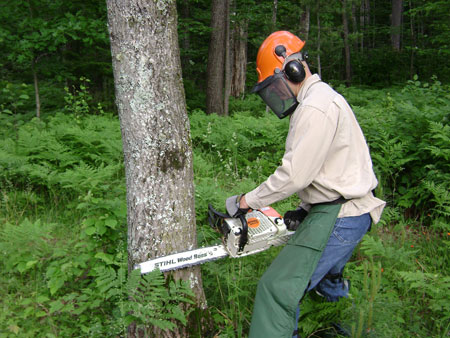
point(243, 203)
point(293, 218)
point(237, 206)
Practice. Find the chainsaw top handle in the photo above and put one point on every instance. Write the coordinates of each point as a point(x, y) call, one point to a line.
point(216, 221)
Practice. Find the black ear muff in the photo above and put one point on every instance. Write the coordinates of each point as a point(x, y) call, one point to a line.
point(294, 71)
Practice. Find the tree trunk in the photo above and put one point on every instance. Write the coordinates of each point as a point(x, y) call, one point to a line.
point(227, 82)
point(239, 58)
point(36, 89)
point(319, 67)
point(364, 21)
point(396, 23)
point(348, 76)
point(304, 23)
point(216, 59)
point(156, 136)
point(274, 25)
point(34, 71)
point(371, 21)
point(354, 26)
point(274, 15)
point(413, 41)
point(186, 42)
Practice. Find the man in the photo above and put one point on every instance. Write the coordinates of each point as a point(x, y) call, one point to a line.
point(327, 163)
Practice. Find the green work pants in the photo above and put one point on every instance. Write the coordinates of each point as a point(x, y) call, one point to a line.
point(285, 281)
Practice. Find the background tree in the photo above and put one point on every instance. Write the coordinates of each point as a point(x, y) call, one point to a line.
point(304, 22)
point(216, 59)
point(396, 22)
point(274, 14)
point(156, 135)
point(348, 75)
point(239, 34)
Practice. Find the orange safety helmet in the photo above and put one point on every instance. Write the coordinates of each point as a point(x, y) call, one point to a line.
point(279, 60)
point(267, 60)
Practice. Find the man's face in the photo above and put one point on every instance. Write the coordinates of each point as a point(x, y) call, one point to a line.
point(279, 95)
point(295, 87)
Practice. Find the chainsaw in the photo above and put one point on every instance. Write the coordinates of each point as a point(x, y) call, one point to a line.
point(254, 232)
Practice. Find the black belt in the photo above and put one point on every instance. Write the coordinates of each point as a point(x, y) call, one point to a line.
point(340, 200)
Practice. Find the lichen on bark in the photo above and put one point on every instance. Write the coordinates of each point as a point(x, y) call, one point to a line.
point(155, 131)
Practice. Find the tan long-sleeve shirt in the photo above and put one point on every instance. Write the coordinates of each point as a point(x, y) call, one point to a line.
point(326, 157)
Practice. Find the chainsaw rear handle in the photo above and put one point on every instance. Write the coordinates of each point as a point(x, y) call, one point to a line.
point(216, 220)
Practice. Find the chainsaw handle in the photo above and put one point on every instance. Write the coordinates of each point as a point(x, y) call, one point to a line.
point(216, 221)
point(244, 234)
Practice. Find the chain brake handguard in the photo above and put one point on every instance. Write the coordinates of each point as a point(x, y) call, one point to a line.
point(216, 220)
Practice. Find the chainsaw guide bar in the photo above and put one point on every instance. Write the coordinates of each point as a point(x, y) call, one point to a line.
point(184, 259)
point(257, 231)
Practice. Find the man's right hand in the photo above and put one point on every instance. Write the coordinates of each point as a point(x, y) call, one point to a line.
point(293, 218)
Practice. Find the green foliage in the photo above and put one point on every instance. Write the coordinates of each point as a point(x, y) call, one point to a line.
point(406, 130)
point(79, 100)
point(233, 155)
point(63, 154)
point(230, 287)
point(56, 41)
point(69, 276)
point(396, 291)
point(13, 98)
point(63, 222)
point(152, 301)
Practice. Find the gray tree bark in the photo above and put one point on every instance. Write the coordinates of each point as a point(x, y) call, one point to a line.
point(304, 23)
point(354, 26)
point(216, 59)
point(319, 67)
point(396, 22)
point(185, 40)
point(274, 14)
point(364, 21)
point(413, 39)
point(227, 75)
point(348, 75)
point(36, 88)
point(156, 136)
point(239, 58)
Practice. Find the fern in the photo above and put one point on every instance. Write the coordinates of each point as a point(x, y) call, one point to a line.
point(316, 315)
point(61, 155)
point(374, 247)
point(428, 287)
point(25, 245)
point(152, 302)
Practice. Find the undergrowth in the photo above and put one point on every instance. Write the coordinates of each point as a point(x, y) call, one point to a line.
point(63, 221)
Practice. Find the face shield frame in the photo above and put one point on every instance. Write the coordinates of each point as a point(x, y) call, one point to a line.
point(277, 94)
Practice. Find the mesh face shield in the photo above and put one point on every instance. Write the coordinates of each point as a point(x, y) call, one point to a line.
point(277, 95)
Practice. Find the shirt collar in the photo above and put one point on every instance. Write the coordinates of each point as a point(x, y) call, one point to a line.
point(306, 85)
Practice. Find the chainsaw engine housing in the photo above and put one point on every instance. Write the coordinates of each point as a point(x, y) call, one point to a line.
point(265, 229)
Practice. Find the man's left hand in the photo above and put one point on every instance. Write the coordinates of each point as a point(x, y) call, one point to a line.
point(237, 206)
point(243, 203)
point(293, 218)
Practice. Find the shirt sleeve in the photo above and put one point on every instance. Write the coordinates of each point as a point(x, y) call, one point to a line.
point(310, 135)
